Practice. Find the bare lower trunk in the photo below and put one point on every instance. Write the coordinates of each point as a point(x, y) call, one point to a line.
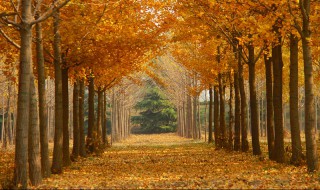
point(34, 138)
point(58, 133)
point(82, 147)
point(244, 113)
point(270, 125)
point(90, 144)
point(254, 107)
point(222, 126)
point(216, 117)
point(230, 132)
point(210, 139)
point(76, 131)
point(65, 101)
point(237, 112)
point(294, 102)
point(43, 117)
point(104, 120)
point(277, 103)
point(21, 149)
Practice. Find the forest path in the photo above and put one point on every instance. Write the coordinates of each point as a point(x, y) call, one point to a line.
point(167, 161)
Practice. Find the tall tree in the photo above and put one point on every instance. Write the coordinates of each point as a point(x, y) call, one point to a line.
point(269, 94)
point(58, 132)
point(294, 102)
point(254, 106)
point(210, 139)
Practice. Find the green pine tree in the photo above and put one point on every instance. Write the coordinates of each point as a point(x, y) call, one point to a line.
point(157, 115)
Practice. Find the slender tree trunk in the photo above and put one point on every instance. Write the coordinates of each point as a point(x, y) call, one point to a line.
point(91, 131)
point(277, 102)
point(269, 92)
point(34, 138)
point(222, 125)
point(65, 101)
point(216, 117)
point(104, 126)
point(21, 149)
point(58, 133)
point(9, 125)
point(244, 113)
point(230, 132)
point(294, 102)
point(237, 111)
point(43, 117)
point(76, 131)
point(82, 146)
point(210, 139)
point(254, 107)
point(311, 144)
point(99, 113)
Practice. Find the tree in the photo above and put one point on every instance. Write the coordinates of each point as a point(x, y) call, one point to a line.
point(158, 114)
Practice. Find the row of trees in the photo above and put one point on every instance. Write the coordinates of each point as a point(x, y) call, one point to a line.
point(226, 41)
point(79, 52)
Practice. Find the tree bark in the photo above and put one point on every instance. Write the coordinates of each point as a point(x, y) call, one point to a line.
point(34, 138)
point(237, 111)
point(43, 117)
point(294, 102)
point(76, 131)
point(210, 139)
point(216, 117)
point(82, 147)
point(91, 131)
point(21, 150)
point(244, 113)
point(254, 107)
point(65, 101)
point(104, 126)
point(231, 121)
point(269, 93)
point(277, 102)
point(311, 144)
point(58, 133)
point(222, 126)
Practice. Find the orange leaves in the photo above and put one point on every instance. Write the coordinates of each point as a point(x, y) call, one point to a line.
point(168, 161)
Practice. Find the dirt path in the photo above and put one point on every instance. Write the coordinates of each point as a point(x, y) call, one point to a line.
point(167, 161)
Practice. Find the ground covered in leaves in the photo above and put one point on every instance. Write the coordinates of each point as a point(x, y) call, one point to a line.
point(167, 161)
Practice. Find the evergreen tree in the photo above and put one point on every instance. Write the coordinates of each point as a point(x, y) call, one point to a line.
point(157, 115)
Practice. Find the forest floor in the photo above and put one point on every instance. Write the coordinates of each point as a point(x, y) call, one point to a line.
point(167, 161)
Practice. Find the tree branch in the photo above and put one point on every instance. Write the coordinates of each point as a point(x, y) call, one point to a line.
point(9, 39)
point(50, 12)
point(16, 9)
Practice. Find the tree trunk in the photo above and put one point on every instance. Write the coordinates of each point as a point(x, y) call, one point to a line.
point(294, 102)
point(82, 147)
point(237, 112)
point(43, 117)
point(65, 101)
point(277, 103)
point(91, 132)
point(104, 121)
point(269, 92)
point(311, 144)
point(244, 113)
point(21, 149)
point(210, 139)
point(222, 126)
point(254, 107)
point(76, 131)
point(99, 113)
point(216, 117)
point(230, 132)
point(58, 133)
point(34, 138)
